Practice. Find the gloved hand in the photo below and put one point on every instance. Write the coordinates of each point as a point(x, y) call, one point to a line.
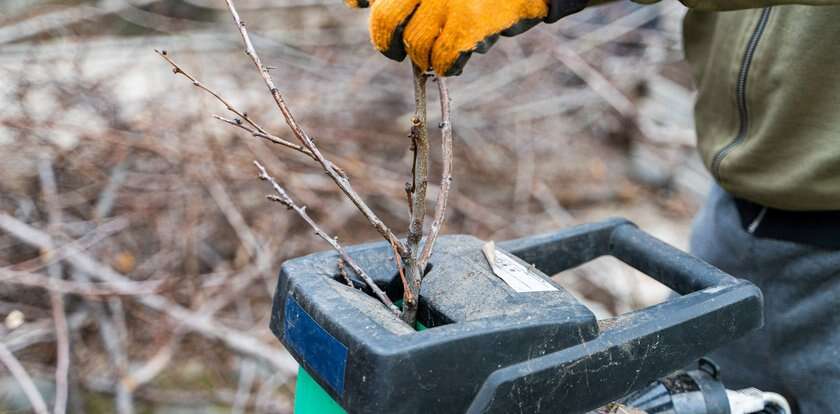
point(443, 34)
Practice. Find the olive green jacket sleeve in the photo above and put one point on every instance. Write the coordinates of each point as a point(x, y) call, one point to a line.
point(726, 5)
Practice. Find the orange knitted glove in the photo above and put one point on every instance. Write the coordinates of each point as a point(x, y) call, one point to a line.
point(443, 34)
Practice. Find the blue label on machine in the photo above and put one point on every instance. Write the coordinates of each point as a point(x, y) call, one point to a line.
point(323, 355)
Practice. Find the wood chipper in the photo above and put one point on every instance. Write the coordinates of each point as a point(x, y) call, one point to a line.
point(502, 337)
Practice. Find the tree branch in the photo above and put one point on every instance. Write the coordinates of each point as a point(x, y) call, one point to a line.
point(284, 198)
point(420, 181)
point(36, 280)
point(446, 174)
point(340, 180)
point(54, 270)
point(401, 271)
point(255, 130)
point(22, 377)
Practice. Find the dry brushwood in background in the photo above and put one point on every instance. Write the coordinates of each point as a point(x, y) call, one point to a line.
point(411, 256)
point(151, 194)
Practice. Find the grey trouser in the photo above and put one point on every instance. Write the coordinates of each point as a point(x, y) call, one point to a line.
point(797, 353)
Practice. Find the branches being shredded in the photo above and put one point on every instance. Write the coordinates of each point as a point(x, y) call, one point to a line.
point(401, 271)
point(446, 174)
point(416, 191)
point(411, 261)
point(340, 180)
point(283, 198)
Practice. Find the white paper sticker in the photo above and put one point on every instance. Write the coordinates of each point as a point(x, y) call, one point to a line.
point(517, 276)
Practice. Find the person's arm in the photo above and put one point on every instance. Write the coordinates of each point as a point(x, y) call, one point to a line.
point(729, 5)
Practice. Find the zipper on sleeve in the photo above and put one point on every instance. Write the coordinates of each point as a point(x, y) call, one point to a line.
point(741, 92)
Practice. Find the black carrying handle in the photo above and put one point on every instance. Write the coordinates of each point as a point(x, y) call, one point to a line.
point(632, 349)
point(555, 252)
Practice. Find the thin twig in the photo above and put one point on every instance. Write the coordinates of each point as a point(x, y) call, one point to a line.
point(36, 280)
point(261, 133)
point(242, 117)
point(343, 271)
point(274, 139)
point(234, 216)
point(116, 177)
point(22, 377)
point(115, 347)
point(597, 82)
point(399, 265)
point(283, 197)
point(340, 180)
point(62, 335)
point(446, 174)
point(233, 290)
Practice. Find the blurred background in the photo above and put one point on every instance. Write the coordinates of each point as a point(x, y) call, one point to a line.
point(114, 171)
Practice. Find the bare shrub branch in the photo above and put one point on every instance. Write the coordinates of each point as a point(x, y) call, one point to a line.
point(342, 181)
point(283, 198)
point(446, 173)
point(419, 136)
point(255, 130)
